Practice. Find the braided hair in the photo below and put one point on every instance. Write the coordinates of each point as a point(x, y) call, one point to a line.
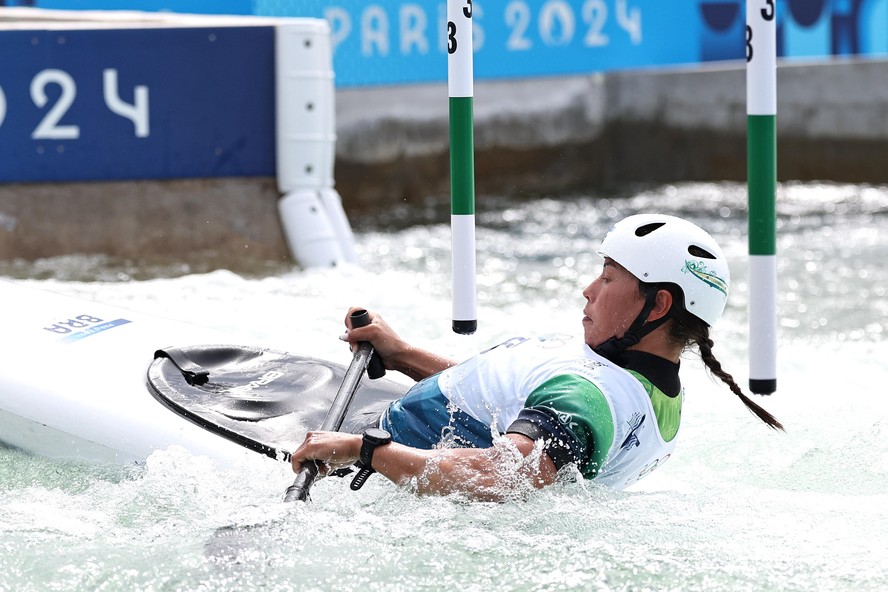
point(688, 330)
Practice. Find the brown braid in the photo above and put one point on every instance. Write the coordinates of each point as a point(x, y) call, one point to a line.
point(704, 344)
point(687, 329)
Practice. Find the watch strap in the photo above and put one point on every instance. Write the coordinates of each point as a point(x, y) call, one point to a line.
point(373, 438)
point(361, 477)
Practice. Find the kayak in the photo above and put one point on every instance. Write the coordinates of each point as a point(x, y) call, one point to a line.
point(90, 381)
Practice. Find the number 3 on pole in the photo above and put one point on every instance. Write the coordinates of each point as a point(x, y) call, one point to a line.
point(451, 28)
point(462, 164)
point(767, 13)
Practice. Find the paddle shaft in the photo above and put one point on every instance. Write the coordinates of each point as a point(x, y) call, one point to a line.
point(305, 478)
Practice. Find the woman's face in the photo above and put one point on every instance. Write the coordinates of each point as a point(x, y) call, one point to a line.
point(612, 303)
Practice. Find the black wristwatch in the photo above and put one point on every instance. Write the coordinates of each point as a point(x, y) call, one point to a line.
point(373, 439)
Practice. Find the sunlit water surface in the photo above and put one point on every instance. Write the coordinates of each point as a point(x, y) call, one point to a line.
point(738, 507)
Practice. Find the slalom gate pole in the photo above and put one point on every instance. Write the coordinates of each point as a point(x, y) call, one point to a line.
point(462, 164)
point(761, 109)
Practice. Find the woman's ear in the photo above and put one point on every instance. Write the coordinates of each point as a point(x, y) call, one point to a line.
point(662, 305)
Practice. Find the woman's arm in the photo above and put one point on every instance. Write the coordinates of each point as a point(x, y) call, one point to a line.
point(487, 474)
point(396, 354)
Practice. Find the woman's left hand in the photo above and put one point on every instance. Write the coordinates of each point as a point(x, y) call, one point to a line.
point(330, 449)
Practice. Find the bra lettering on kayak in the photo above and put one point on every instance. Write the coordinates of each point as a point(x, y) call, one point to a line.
point(69, 325)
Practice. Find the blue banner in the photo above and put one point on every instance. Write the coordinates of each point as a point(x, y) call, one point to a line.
point(137, 104)
point(183, 6)
point(397, 41)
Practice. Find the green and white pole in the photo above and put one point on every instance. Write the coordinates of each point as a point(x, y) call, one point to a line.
point(761, 109)
point(462, 164)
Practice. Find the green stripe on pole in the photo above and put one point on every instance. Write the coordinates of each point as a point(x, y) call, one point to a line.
point(762, 171)
point(462, 159)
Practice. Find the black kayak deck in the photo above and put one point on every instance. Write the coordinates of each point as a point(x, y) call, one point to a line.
point(262, 399)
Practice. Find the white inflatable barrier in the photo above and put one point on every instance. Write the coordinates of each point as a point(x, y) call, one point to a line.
point(308, 231)
point(336, 214)
point(314, 222)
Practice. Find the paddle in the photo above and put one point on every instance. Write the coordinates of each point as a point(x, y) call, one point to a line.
point(306, 476)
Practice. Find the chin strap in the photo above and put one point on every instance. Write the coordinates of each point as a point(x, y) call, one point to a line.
point(613, 346)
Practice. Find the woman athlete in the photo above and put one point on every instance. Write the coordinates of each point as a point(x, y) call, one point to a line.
point(514, 416)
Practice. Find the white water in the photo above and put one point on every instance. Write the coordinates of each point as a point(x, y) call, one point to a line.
point(738, 507)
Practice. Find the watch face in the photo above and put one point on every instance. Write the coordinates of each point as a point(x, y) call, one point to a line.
point(377, 435)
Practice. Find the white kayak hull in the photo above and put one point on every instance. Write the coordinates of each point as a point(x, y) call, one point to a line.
point(73, 381)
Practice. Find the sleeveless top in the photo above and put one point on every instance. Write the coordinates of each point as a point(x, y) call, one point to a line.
point(612, 423)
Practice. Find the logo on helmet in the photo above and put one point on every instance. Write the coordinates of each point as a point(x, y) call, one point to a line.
point(699, 271)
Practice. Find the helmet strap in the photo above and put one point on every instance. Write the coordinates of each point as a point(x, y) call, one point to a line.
point(637, 331)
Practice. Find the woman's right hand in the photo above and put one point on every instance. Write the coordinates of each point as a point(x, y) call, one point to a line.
point(395, 353)
point(387, 344)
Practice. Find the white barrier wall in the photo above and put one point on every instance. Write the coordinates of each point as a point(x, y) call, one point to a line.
point(314, 222)
point(134, 96)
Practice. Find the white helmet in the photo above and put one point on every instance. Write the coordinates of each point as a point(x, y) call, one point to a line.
point(658, 249)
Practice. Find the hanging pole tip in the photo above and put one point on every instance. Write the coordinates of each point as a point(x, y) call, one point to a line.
point(465, 327)
point(767, 386)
